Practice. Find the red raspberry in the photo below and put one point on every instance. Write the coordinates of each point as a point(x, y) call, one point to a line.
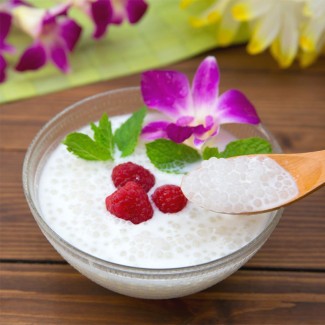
point(169, 198)
point(130, 202)
point(129, 171)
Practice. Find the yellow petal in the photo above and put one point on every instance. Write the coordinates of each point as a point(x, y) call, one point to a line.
point(249, 9)
point(307, 44)
point(312, 34)
point(284, 57)
point(265, 31)
point(227, 30)
point(307, 58)
point(241, 12)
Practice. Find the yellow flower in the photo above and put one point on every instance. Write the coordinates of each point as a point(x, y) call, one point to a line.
point(275, 24)
point(312, 38)
point(217, 13)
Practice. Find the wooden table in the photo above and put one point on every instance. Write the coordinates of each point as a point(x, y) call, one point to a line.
point(284, 283)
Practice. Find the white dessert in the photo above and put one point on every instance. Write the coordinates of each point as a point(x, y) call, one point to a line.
point(240, 184)
point(72, 195)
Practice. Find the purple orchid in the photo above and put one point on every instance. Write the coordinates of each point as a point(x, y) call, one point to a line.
point(99, 11)
point(195, 114)
point(54, 34)
point(5, 24)
point(132, 10)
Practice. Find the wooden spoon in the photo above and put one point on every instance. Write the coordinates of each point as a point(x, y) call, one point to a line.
point(307, 169)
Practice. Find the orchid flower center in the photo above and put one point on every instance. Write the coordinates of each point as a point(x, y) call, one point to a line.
point(48, 33)
point(119, 6)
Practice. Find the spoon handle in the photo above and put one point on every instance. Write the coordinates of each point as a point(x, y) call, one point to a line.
point(317, 155)
point(318, 174)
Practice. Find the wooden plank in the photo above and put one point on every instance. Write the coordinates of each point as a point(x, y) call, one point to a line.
point(297, 242)
point(57, 294)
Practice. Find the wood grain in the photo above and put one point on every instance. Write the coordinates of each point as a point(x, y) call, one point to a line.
point(57, 294)
point(282, 284)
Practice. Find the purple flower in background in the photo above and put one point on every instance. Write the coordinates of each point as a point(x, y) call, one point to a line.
point(132, 10)
point(54, 34)
point(5, 24)
point(195, 112)
point(99, 11)
point(106, 12)
point(11, 4)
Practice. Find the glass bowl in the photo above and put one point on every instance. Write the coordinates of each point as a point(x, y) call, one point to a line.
point(130, 281)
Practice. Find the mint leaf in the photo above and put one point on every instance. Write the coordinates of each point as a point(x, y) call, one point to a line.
point(209, 152)
point(241, 147)
point(127, 135)
point(103, 134)
point(169, 156)
point(84, 147)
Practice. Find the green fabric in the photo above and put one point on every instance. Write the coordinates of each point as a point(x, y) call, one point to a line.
point(163, 36)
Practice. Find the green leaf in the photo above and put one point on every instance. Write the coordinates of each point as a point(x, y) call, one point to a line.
point(103, 134)
point(248, 146)
point(169, 156)
point(84, 147)
point(127, 135)
point(209, 152)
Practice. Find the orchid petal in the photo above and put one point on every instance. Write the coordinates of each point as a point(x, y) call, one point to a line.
point(167, 92)
point(155, 130)
point(101, 12)
point(185, 120)
point(30, 20)
point(205, 86)
point(51, 14)
point(20, 3)
point(135, 10)
point(59, 57)
point(59, 10)
point(234, 107)
point(198, 142)
point(3, 66)
point(5, 23)
point(179, 133)
point(33, 58)
point(70, 31)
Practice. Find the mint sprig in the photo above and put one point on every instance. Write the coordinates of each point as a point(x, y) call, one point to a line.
point(84, 147)
point(248, 146)
point(102, 146)
point(127, 135)
point(103, 133)
point(169, 156)
point(166, 155)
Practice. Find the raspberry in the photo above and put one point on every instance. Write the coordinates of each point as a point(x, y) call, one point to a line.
point(129, 171)
point(169, 198)
point(130, 202)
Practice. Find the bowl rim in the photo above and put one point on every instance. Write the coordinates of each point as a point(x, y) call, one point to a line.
point(276, 215)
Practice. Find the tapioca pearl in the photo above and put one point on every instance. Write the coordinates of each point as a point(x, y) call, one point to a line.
point(284, 195)
point(257, 203)
point(238, 207)
point(96, 234)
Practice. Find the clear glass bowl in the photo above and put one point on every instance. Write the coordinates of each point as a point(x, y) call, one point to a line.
point(131, 281)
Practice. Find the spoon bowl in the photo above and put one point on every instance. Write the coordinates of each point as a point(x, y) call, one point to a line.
point(307, 171)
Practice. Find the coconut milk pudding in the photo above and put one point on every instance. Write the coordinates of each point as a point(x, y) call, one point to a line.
point(72, 194)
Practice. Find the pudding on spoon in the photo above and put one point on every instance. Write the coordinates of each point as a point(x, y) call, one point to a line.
point(255, 183)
